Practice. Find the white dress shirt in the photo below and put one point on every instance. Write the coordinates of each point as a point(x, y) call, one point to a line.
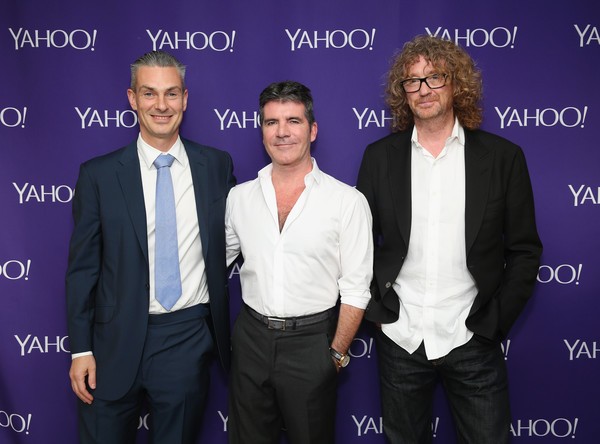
point(435, 288)
point(191, 260)
point(325, 249)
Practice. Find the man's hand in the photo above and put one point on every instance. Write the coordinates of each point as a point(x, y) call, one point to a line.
point(82, 368)
point(349, 320)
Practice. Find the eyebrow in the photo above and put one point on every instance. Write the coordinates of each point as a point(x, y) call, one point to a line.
point(171, 88)
point(275, 119)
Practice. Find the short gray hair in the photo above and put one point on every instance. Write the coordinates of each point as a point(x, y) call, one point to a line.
point(157, 58)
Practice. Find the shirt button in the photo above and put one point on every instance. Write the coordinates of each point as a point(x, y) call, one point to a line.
point(388, 284)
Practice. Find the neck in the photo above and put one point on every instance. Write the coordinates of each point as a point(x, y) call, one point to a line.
point(432, 135)
point(288, 174)
point(160, 144)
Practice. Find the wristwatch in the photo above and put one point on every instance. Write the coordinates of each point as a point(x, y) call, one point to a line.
point(342, 360)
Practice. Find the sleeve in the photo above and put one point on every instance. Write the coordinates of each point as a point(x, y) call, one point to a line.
point(356, 252)
point(522, 245)
point(84, 264)
point(232, 240)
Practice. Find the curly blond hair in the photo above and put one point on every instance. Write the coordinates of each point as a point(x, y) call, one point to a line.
point(447, 58)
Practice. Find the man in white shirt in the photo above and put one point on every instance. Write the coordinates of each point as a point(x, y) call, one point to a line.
point(306, 242)
point(457, 252)
point(147, 270)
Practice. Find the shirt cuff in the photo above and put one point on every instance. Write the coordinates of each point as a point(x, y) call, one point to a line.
point(78, 355)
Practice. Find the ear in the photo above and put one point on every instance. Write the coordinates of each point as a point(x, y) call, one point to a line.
point(185, 99)
point(131, 97)
point(314, 129)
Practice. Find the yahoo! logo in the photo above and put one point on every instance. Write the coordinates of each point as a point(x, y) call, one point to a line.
point(582, 349)
point(568, 117)
point(43, 344)
point(505, 345)
point(224, 419)
point(337, 39)
point(497, 37)
point(235, 270)
point(14, 270)
point(43, 193)
point(370, 117)
point(216, 41)
point(239, 120)
point(77, 39)
point(584, 195)
point(558, 428)
point(13, 117)
point(564, 274)
point(16, 422)
point(587, 35)
point(370, 425)
point(105, 118)
point(361, 347)
point(143, 422)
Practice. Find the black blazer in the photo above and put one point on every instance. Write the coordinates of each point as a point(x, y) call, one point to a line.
point(108, 280)
point(502, 244)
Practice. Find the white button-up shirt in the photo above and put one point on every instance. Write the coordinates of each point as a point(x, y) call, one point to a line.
point(325, 249)
point(191, 261)
point(435, 287)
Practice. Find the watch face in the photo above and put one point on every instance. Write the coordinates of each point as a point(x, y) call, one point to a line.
point(345, 361)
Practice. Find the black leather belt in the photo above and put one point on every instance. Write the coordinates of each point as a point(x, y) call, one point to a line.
point(275, 323)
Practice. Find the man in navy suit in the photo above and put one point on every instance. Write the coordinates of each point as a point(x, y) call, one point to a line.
point(128, 345)
point(457, 250)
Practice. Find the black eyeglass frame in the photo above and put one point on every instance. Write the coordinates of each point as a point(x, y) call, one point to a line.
point(423, 79)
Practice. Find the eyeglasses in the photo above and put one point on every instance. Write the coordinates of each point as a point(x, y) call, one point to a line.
point(433, 81)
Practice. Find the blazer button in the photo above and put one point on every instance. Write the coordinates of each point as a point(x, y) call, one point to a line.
point(388, 284)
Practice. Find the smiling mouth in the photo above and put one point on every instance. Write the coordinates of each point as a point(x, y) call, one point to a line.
point(161, 118)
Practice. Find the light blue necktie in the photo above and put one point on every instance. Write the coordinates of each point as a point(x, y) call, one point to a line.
point(167, 278)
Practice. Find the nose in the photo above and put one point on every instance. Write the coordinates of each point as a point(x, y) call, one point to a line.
point(282, 130)
point(161, 103)
point(424, 89)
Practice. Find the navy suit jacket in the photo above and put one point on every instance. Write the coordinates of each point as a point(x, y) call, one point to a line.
point(502, 244)
point(108, 280)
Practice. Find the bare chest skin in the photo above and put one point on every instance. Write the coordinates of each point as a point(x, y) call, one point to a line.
point(286, 197)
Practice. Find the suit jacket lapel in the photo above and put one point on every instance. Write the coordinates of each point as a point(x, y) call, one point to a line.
point(478, 173)
point(130, 178)
point(399, 167)
point(198, 166)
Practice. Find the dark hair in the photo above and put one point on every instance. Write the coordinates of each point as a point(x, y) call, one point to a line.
point(157, 58)
point(448, 58)
point(288, 91)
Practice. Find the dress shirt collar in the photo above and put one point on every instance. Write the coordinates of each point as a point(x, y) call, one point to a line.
point(148, 154)
point(315, 175)
point(456, 137)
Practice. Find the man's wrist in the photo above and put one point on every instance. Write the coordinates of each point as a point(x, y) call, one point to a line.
point(79, 355)
point(341, 359)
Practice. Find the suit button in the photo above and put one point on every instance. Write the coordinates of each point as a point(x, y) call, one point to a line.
point(388, 284)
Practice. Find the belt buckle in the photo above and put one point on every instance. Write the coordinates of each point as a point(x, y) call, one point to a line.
point(275, 323)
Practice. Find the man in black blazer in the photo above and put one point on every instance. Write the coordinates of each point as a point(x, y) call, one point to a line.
point(128, 344)
point(457, 250)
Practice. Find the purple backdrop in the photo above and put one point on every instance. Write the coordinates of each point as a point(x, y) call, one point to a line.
point(65, 70)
